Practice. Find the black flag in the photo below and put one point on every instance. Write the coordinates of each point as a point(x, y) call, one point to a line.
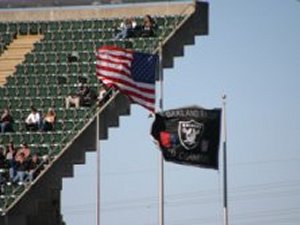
point(189, 135)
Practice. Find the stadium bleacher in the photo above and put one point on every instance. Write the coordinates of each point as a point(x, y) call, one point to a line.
point(36, 80)
point(47, 76)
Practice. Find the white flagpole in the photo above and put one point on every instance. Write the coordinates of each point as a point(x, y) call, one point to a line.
point(160, 157)
point(225, 200)
point(98, 171)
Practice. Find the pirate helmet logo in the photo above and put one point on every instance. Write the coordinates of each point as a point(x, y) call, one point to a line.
point(190, 133)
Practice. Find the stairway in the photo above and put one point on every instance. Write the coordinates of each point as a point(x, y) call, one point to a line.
point(15, 54)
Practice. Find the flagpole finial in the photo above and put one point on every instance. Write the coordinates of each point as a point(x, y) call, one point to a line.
point(224, 96)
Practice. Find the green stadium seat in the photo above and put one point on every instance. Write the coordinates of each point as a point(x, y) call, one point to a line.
point(33, 28)
point(87, 24)
point(29, 58)
point(54, 26)
point(65, 25)
point(3, 27)
point(23, 29)
point(43, 27)
point(77, 25)
point(13, 28)
point(62, 57)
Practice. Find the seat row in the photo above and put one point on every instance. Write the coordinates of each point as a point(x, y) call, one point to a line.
point(58, 57)
point(41, 90)
point(60, 51)
point(36, 138)
point(91, 34)
point(60, 125)
point(50, 79)
point(139, 44)
point(61, 112)
point(26, 102)
point(56, 68)
point(105, 23)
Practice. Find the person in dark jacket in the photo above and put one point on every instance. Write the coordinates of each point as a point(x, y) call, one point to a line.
point(3, 166)
point(21, 168)
point(34, 167)
point(6, 121)
point(147, 29)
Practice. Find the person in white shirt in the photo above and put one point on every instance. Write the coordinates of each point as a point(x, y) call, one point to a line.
point(33, 120)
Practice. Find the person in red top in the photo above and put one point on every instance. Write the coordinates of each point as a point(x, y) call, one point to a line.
point(24, 150)
point(6, 121)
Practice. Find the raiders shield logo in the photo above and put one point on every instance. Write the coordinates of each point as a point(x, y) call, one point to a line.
point(190, 133)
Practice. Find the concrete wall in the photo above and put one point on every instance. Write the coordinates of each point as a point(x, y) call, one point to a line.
point(76, 13)
point(61, 3)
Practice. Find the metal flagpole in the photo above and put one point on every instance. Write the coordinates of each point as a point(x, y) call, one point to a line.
point(225, 202)
point(160, 157)
point(98, 172)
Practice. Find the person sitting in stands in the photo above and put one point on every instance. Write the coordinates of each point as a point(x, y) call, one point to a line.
point(49, 120)
point(34, 167)
point(126, 29)
point(73, 57)
point(89, 98)
point(10, 159)
point(3, 166)
point(147, 29)
point(33, 120)
point(83, 97)
point(6, 121)
point(104, 95)
point(21, 168)
point(74, 99)
point(23, 150)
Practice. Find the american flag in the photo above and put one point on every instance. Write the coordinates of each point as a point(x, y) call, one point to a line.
point(133, 73)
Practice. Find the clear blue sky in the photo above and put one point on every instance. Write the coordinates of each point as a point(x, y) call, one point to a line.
point(253, 55)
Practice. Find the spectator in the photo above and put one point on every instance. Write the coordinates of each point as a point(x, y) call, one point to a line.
point(73, 57)
point(33, 120)
point(89, 98)
point(103, 95)
point(2, 165)
point(147, 29)
point(2, 158)
point(34, 167)
point(126, 29)
point(10, 159)
point(49, 120)
point(21, 168)
point(6, 121)
point(83, 97)
point(74, 99)
point(24, 150)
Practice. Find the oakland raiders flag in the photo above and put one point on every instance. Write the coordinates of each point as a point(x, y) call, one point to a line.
point(189, 135)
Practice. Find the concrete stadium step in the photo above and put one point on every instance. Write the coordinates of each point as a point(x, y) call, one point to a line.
point(15, 54)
